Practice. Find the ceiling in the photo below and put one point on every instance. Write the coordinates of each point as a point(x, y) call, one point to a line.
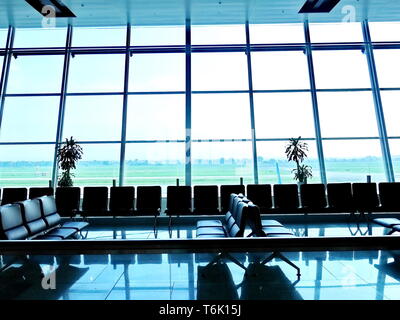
point(172, 12)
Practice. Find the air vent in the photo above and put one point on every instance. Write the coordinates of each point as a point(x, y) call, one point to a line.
point(60, 10)
point(314, 6)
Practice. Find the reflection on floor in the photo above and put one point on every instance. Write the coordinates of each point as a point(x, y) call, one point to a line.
point(342, 275)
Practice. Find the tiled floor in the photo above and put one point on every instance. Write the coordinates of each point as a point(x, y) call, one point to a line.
point(337, 275)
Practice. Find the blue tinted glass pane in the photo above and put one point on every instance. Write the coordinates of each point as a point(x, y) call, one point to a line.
point(271, 108)
point(94, 118)
point(336, 32)
point(154, 164)
point(157, 36)
point(99, 165)
point(218, 34)
point(391, 109)
point(99, 37)
point(35, 74)
point(26, 165)
point(353, 160)
point(347, 114)
point(29, 38)
point(220, 116)
point(222, 162)
point(273, 166)
point(341, 69)
point(97, 73)
point(395, 153)
point(156, 117)
point(280, 70)
point(219, 71)
point(24, 119)
point(157, 72)
point(277, 33)
point(388, 67)
point(384, 31)
point(3, 37)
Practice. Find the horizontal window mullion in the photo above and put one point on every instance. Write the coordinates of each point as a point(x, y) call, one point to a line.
point(350, 138)
point(154, 92)
point(16, 95)
point(94, 94)
point(283, 139)
point(28, 143)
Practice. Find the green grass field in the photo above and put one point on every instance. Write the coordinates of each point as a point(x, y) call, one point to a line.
point(102, 173)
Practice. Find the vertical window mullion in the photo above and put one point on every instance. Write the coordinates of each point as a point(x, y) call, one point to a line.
point(317, 124)
point(188, 107)
point(378, 104)
point(61, 112)
point(125, 107)
point(251, 98)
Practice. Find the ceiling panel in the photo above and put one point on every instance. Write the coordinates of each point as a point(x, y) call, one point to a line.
point(173, 12)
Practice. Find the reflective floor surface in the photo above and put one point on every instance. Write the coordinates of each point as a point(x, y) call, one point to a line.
point(333, 275)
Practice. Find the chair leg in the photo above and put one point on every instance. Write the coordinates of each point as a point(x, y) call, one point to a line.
point(155, 226)
point(170, 226)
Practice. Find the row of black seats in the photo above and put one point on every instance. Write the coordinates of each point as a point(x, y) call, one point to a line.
point(330, 198)
point(286, 198)
point(119, 201)
point(36, 219)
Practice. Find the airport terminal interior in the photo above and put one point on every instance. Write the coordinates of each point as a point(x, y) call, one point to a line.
point(199, 150)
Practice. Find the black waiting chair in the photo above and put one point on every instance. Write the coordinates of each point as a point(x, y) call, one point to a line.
point(37, 226)
point(122, 201)
point(11, 195)
point(36, 192)
point(261, 195)
point(205, 200)
point(12, 223)
point(389, 194)
point(179, 202)
point(148, 201)
point(313, 198)
point(340, 198)
point(365, 197)
point(53, 219)
point(226, 191)
point(95, 201)
point(286, 198)
point(68, 201)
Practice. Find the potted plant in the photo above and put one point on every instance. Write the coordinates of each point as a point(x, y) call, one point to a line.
point(296, 150)
point(67, 157)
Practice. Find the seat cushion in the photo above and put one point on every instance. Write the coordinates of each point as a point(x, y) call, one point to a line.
point(36, 226)
point(53, 220)
point(209, 223)
point(44, 237)
point(78, 225)
point(280, 236)
point(276, 230)
point(18, 233)
point(271, 223)
point(205, 236)
point(210, 231)
point(62, 233)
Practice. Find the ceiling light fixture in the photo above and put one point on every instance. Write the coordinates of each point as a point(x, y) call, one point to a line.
point(60, 9)
point(314, 6)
